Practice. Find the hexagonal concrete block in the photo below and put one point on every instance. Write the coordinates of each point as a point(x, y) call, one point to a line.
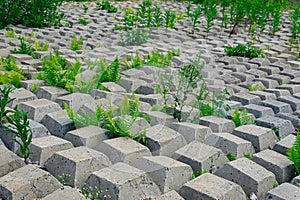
point(75, 100)
point(163, 141)
point(50, 92)
point(157, 117)
point(9, 161)
point(229, 143)
point(63, 193)
point(37, 109)
point(20, 95)
point(200, 156)
point(76, 164)
point(211, 187)
point(279, 164)
point(250, 176)
point(28, 182)
point(260, 137)
point(123, 149)
point(217, 124)
point(284, 144)
point(89, 136)
point(44, 147)
point(123, 182)
point(167, 173)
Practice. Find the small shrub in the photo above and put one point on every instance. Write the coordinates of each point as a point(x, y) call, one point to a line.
point(106, 5)
point(12, 74)
point(24, 48)
point(76, 44)
point(4, 101)
point(294, 153)
point(134, 37)
point(243, 51)
point(241, 118)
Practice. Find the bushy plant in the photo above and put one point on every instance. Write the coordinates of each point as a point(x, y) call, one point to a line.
point(76, 44)
point(24, 48)
point(134, 37)
point(158, 59)
point(83, 21)
point(38, 47)
point(134, 61)
point(12, 74)
point(241, 118)
point(10, 34)
point(106, 5)
point(294, 153)
point(243, 51)
point(35, 13)
point(4, 101)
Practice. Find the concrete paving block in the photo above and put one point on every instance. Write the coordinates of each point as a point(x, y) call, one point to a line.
point(263, 95)
point(190, 131)
point(279, 92)
point(284, 144)
point(131, 84)
point(249, 175)
point(290, 117)
point(280, 126)
point(268, 83)
point(229, 143)
point(277, 163)
point(20, 95)
point(89, 136)
point(260, 61)
point(157, 117)
point(110, 96)
point(152, 99)
point(123, 182)
point(260, 137)
point(38, 108)
point(200, 156)
point(75, 100)
point(123, 149)
point(163, 141)
point(292, 101)
point(172, 195)
point(285, 191)
point(133, 73)
point(27, 183)
point(167, 173)
point(281, 79)
point(58, 123)
point(257, 110)
point(296, 181)
point(257, 73)
point(293, 89)
point(29, 84)
point(9, 161)
point(211, 187)
point(64, 193)
point(50, 92)
point(44, 147)
point(114, 87)
point(76, 164)
point(277, 106)
point(217, 124)
point(140, 124)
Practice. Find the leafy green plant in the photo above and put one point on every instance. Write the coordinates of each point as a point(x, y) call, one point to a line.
point(38, 47)
point(230, 157)
point(83, 21)
point(224, 5)
point(134, 37)
point(243, 51)
point(237, 12)
point(112, 72)
point(157, 17)
point(241, 118)
point(24, 48)
point(253, 87)
point(23, 133)
point(294, 153)
point(10, 34)
point(106, 5)
point(76, 44)
point(4, 101)
point(276, 18)
point(85, 8)
point(210, 12)
point(170, 18)
point(295, 18)
point(195, 17)
point(12, 74)
point(158, 59)
point(134, 61)
point(198, 173)
point(248, 155)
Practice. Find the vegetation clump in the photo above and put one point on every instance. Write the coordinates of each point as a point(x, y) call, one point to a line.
point(244, 51)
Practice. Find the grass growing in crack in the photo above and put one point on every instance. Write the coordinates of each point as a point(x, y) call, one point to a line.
point(23, 133)
point(198, 173)
point(10, 34)
point(39, 47)
point(230, 157)
point(158, 59)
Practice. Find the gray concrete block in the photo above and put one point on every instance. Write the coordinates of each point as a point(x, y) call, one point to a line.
point(172, 195)
point(285, 191)
point(229, 143)
point(268, 83)
point(89, 136)
point(163, 141)
point(257, 110)
point(296, 181)
point(217, 124)
point(131, 84)
point(20, 95)
point(292, 101)
point(44, 147)
point(245, 98)
point(190, 131)
point(29, 84)
point(58, 123)
point(284, 144)
point(211, 187)
point(290, 117)
point(50, 92)
point(280, 126)
point(114, 87)
point(9, 161)
point(75, 100)
point(277, 106)
point(200, 156)
point(123, 149)
point(167, 173)
point(63, 193)
point(76, 164)
point(277, 163)
point(28, 182)
point(123, 182)
point(293, 89)
point(157, 117)
point(249, 175)
point(260, 137)
point(263, 95)
point(279, 92)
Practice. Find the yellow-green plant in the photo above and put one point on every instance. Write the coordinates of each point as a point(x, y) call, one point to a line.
point(38, 47)
point(76, 44)
point(4, 101)
point(294, 153)
point(241, 118)
point(10, 34)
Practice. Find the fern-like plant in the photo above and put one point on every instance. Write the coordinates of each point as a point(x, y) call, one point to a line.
point(4, 101)
point(112, 72)
point(294, 153)
point(241, 118)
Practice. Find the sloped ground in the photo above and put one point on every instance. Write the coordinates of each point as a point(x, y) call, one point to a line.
point(120, 168)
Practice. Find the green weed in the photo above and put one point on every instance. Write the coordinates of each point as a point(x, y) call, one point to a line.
point(24, 48)
point(4, 101)
point(241, 118)
point(76, 44)
point(294, 153)
point(243, 51)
